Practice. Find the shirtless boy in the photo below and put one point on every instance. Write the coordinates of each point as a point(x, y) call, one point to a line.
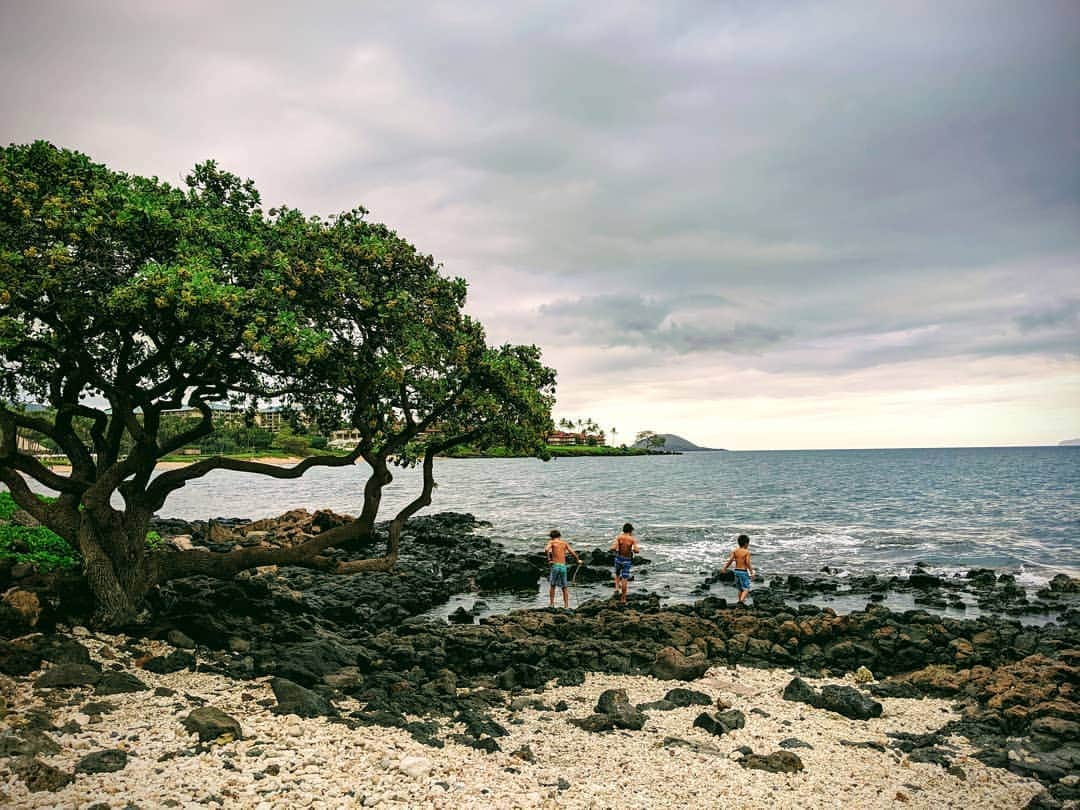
point(744, 569)
point(556, 551)
point(625, 547)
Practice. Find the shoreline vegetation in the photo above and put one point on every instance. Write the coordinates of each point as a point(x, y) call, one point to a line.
point(284, 458)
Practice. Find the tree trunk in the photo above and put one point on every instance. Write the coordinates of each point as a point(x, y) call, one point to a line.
point(115, 604)
point(115, 561)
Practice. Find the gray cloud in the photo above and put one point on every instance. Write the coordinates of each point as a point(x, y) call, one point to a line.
point(798, 189)
point(665, 326)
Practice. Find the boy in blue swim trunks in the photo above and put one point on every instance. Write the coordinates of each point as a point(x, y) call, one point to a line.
point(625, 547)
point(744, 569)
point(556, 551)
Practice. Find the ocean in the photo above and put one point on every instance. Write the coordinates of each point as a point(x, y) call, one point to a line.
point(1014, 509)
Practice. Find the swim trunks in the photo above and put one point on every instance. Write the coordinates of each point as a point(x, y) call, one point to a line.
point(557, 577)
point(742, 579)
point(622, 566)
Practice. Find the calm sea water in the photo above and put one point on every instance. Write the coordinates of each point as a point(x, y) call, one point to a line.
point(879, 511)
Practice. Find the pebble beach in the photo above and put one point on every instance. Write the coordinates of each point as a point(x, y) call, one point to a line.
point(284, 761)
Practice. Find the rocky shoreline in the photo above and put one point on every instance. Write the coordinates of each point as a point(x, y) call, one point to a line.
point(352, 659)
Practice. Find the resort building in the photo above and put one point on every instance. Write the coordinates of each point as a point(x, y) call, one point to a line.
point(560, 438)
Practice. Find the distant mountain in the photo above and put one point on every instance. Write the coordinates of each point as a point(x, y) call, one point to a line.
point(672, 444)
point(1069, 443)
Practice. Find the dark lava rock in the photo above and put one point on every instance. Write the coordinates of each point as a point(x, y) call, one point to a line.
point(107, 761)
point(164, 691)
point(657, 706)
point(210, 723)
point(799, 691)
point(63, 675)
point(460, 616)
point(295, 699)
point(119, 683)
point(60, 650)
point(613, 710)
point(845, 700)
point(687, 697)
point(776, 762)
point(794, 742)
point(98, 707)
point(848, 701)
point(180, 639)
point(721, 722)
point(39, 775)
point(173, 662)
point(982, 577)
point(572, 677)
point(27, 743)
point(487, 744)
point(594, 722)
point(510, 573)
point(1065, 584)
point(17, 660)
point(921, 579)
point(670, 665)
point(484, 727)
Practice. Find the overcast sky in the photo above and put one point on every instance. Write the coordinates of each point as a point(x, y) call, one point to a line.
point(754, 224)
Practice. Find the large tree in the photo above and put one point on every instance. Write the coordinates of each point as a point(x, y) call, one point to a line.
point(122, 298)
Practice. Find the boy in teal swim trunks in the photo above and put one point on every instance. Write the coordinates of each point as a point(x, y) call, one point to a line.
point(556, 551)
point(625, 547)
point(744, 569)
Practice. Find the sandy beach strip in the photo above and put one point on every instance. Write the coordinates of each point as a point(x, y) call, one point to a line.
point(289, 762)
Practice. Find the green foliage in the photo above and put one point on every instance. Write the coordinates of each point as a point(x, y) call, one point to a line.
point(285, 439)
point(8, 507)
point(153, 540)
point(124, 299)
point(36, 544)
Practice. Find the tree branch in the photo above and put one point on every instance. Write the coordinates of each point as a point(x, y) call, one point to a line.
point(173, 480)
point(386, 562)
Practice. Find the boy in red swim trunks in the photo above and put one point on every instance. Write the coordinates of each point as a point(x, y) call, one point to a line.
point(744, 569)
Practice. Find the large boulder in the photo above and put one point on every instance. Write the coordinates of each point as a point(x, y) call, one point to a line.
point(40, 775)
point(687, 697)
point(107, 761)
point(63, 675)
point(613, 710)
point(672, 665)
point(295, 699)
point(119, 683)
point(720, 723)
point(1063, 583)
point(24, 604)
point(510, 573)
point(27, 743)
point(210, 723)
point(173, 662)
point(799, 691)
point(849, 702)
point(845, 700)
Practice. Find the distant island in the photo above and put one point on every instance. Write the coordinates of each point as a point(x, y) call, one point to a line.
point(1069, 443)
point(669, 443)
